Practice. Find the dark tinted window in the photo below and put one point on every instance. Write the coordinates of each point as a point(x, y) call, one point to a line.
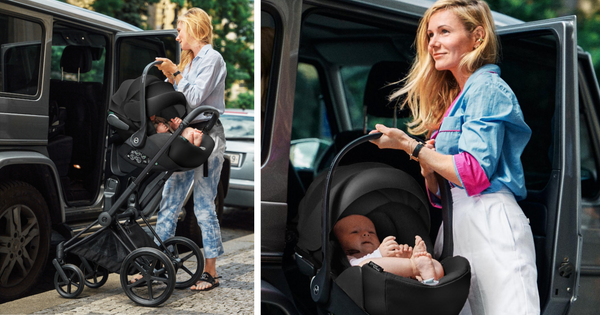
point(534, 81)
point(20, 51)
point(135, 53)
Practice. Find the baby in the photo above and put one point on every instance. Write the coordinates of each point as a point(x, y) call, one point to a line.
point(357, 236)
point(192, 135)
point(161, 124)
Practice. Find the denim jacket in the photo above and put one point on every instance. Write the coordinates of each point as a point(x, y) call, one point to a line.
point(485, 132)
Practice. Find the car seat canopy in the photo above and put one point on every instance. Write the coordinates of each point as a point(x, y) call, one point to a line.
point(160, 95)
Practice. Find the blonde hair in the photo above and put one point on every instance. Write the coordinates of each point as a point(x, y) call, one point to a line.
point(197, 24)
point(429, 92)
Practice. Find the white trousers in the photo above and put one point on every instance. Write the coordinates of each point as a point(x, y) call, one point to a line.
point(492, 232)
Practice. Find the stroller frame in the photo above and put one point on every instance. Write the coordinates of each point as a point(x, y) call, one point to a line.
point(154, 265)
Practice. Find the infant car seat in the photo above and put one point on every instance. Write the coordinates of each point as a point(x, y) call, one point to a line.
point(397, 205)
point(129, 115)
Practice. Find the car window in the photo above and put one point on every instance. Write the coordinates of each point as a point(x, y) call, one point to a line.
point(354, 79)
point(146, 49)
point(238, 126)
point(96, 74)
point(311, 122)
point(531, 79)
point(20, 50)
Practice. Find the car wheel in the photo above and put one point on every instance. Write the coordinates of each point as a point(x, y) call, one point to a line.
point(188, 225)
point(24, 237)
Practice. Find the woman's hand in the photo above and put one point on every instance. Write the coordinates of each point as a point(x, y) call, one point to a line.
point(425, 169)
point(167, 67)
point(392, 138)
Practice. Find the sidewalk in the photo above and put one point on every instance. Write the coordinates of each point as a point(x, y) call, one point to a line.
point(235, 295)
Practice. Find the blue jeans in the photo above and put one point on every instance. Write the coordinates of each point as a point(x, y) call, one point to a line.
point(205, 191)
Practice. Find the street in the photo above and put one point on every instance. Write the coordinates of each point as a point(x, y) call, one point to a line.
point(235, 295)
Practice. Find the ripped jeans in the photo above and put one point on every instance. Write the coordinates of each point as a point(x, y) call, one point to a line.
point(205, 191)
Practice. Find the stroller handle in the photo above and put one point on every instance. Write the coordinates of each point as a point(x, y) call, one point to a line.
point(321, 282)
point(199, 110)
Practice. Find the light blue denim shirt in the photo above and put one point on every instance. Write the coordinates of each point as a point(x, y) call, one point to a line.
point(204, 82)
point(486, 123)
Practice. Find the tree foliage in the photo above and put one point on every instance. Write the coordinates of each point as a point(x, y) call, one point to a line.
point(588, 23)
point(130, 11)
point(234, 31)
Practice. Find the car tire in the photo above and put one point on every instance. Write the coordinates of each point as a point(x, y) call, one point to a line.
point(26, 238)
point(188, 226)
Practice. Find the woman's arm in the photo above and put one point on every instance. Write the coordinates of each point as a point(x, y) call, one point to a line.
point(431, 161)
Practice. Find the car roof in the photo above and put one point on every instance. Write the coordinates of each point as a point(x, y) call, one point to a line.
point(69, 11)
point(418, 7)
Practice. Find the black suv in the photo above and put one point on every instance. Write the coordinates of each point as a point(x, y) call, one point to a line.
point(59, 66)
point(319, 96)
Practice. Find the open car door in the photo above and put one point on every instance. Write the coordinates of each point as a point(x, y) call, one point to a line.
point(135, 50)
point(539, 62)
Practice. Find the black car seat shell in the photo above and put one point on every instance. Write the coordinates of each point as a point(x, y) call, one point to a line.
point(163, 100)
point(396, 204)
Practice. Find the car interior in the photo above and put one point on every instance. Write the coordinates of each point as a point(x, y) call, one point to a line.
point(345, 68)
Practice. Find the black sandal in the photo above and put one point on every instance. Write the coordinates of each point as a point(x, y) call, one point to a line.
point(206, 277)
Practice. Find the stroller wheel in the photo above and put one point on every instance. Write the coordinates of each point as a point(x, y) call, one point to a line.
point(73, 285)
point(187, 260)
point(158, 274)
point(96, 277)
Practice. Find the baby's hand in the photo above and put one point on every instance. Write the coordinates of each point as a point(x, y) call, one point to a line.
point(174, 123)
point(388, 247)
point(404, 251)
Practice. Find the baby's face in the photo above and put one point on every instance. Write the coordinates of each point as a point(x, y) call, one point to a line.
point(162, 128)
point(357, 235)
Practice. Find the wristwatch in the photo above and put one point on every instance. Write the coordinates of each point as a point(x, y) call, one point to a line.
point(416, 151)
point(176, 74)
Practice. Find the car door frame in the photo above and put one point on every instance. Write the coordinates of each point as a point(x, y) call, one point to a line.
point(563, 228)
point(135, 34)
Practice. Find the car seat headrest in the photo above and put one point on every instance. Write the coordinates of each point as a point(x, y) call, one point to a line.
point(76, 59)
point(378, 88)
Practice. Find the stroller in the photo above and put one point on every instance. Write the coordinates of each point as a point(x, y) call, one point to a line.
point(145, 159)
point(397, 205)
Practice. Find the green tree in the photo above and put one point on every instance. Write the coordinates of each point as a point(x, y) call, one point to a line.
point(587, 24)
point(130, 11)
point(234, 33)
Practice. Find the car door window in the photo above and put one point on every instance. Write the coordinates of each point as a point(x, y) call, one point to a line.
point(354, 79)
point(20, 50)
point(136, 52)
point(311, 132)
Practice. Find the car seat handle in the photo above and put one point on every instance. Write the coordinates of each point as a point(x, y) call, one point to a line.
point(321, 282)
point(138, 139)
point(200, 110)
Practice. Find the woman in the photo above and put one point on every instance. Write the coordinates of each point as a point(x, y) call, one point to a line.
point(477, 134)
point(201, 77)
